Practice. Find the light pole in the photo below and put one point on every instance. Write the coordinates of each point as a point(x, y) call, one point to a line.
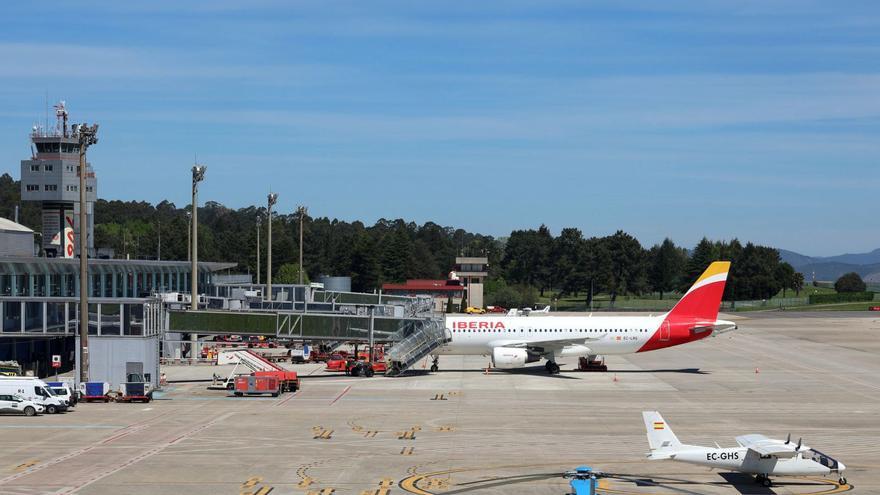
point(259, 228)
point(189, 236)
point(88, 135)
point(272, 199)
point(303, 211)
point(198, 174)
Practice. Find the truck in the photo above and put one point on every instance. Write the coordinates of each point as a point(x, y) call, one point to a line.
point(257, 385)
point(33, 389)
point(260, 367)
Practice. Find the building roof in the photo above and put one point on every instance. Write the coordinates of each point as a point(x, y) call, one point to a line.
point(425, 285)
point(26, 265)
point(7, 225)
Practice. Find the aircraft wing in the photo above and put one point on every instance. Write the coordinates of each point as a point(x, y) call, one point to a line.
point(767, 446)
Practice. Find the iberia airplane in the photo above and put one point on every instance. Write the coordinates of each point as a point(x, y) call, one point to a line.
point(514, 341)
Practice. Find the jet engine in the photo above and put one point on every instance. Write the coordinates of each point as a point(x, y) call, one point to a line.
point(508, 357)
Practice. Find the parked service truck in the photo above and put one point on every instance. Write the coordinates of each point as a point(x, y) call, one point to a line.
point(33, 389)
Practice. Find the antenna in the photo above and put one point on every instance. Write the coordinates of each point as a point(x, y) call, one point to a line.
point(788, 439)
point(47, 109)
point(799, 444)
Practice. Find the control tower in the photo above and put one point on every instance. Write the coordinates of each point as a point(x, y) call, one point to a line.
point(51, 176)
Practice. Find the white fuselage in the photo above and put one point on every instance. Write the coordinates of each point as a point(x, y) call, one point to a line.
point(478, 335)
point(745, 461)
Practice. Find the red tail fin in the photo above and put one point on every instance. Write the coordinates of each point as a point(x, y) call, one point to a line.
point(702, 300)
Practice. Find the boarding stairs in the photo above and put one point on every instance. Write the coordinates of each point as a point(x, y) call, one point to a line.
point(241, 357)
point(415, 340)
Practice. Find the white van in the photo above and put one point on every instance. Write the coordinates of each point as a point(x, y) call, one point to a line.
point(63, 390)
point(16, 405)
point(33, 389)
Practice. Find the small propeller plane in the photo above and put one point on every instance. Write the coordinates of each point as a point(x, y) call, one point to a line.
point(756, 454)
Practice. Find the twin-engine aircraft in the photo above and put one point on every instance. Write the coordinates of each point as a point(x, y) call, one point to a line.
point(514, 341)
point(756, 454)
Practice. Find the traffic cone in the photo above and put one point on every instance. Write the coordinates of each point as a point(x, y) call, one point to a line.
point(757, 371)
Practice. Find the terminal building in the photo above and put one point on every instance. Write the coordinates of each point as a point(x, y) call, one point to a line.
point(139, 310)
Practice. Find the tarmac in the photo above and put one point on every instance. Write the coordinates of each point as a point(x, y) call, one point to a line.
point(461, 430)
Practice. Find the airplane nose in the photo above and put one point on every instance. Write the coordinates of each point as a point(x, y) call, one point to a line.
point(840, 467)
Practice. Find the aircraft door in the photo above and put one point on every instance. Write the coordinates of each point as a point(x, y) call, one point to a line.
point(665, 331)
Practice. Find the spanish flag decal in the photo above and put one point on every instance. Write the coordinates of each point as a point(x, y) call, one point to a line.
point(658, 425)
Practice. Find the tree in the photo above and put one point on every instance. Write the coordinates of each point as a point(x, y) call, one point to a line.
point(785, 276)
point(666, 266)
point(850, 282)
point(798, 283)
point(703, 254)
point(288, 273)
point(626, 270)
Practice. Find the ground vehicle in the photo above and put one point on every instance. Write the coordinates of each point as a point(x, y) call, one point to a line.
point(322, 354)
point(95, 391)
point(365, 368)
point(63, 390)
point(260, 366)
point(496, 309)
point(17, 404)
point(299, 355)
point(255, 385)
point(10, 368)
point(471, 310)
point(135, 391)
point(33, 389)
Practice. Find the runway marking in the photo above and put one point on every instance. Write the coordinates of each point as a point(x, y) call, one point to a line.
point(285, 400)
point(323, 434)
point(439, 397)
point(370, 434)
point(323, 491)
point(407, 451)
point(26, 464)
point(406, 435)
point(384, 488)
point(340, 395)
point(418, 484)
point(254, 482)
point(445, 428)
point(145, 455)
point(119, 434)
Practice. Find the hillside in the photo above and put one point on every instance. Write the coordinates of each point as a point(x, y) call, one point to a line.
point(832, 267)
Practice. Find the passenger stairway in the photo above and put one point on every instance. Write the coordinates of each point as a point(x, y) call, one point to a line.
point(415, 341)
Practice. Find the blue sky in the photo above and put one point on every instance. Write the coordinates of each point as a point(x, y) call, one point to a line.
point(751, 119)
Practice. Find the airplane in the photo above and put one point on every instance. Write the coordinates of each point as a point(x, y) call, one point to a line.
point(756, 454)
point(512, 342)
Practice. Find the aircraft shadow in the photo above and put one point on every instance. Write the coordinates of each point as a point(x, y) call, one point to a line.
point(745, 484)
point(532, 370)
point(690, 371)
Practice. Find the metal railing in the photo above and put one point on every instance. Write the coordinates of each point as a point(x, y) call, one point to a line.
point(417, 340)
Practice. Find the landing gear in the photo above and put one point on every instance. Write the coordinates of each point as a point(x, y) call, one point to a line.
point(842, 480)
point(552, 367)
point(764, 480)
point(436, 364)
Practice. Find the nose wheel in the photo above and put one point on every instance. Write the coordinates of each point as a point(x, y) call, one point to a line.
point(436, 364)
point(842, 480)
point(552, 367)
